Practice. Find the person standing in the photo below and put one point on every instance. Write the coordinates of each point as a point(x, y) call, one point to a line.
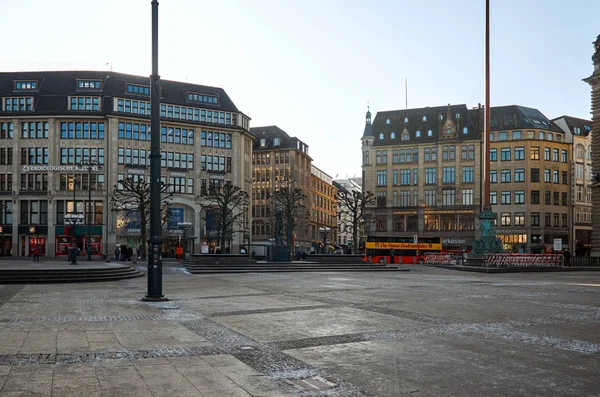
point(117, 253)
point(36, 253)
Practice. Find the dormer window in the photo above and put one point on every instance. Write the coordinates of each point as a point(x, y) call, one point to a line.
point(138, 89)
point(381, 136)
point(457, 115)
point(263, 142)
point(387, 121)
point(393, 135)
point(424, 118)
point(577, 130)
point(418, 134)
point(441, 117)
point(203, 98)
point(465, 130)
point(29, 85)
point(405, 136)
point(276, 141)
point(406, 119)
point(83, 85)
point(429, 133)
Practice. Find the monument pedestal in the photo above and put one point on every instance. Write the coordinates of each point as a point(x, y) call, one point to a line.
point(487, 243)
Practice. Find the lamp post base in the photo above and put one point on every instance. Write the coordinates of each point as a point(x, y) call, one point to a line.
point(161, 298)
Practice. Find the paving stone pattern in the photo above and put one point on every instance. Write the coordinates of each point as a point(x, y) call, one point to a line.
point(430, 332)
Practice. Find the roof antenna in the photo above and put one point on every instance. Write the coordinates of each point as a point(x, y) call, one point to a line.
point(109, 63)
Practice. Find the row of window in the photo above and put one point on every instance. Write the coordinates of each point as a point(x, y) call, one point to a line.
point(26, 85)
point(215, 139)
point(519, 197)
point(550, 176)
point(89, 84)
point(264, 175)
point(534, 154)
point(84, 103)
point(33, 129)
point(72, 156)
point(517, 135)
point(176, 184)
point(215, 163)
point(17, 104)
point(176, 112)
point(405, 136)
point(81, 130)
point(138, 89)
point(34, 155)
point(518, 219)
point(6, 130)
point(411, 198)
point(203, 98)
point(265, 158)
point(81, 182)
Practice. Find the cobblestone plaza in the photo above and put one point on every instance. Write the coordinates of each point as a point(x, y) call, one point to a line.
point(430, 332)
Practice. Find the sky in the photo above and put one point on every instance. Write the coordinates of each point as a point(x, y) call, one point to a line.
point(312, 66)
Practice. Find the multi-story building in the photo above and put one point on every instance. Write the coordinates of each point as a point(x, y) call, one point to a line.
point(530, 179)
point(433, 187)
point(323, 217)
point(344, 236)
point(51, 122)
point(594, 82)
point(423, 165)
point(278, 160)
point(579, 133)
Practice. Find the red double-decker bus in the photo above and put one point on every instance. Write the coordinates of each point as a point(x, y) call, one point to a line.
point(401, 249)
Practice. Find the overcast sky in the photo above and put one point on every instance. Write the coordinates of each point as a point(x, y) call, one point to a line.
point(311, 66)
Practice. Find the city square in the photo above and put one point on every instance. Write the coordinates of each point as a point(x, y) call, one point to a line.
point(427, 332)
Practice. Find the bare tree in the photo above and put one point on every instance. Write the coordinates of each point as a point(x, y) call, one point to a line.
point(132, 197)
point(229, 208)
point(351, 206)
point(294, 213)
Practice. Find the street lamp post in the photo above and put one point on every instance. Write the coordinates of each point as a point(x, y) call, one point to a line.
point(91, 166)
point(73, 219)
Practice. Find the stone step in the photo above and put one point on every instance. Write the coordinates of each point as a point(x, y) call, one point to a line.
point(44, 276)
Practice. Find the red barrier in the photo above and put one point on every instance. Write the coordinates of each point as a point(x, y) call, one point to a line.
point(522, 260)
point(434, 258)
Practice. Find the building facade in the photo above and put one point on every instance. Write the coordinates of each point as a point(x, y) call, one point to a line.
point(579, 133)
point(594, 82)
point(52, 122)
point(278, 160)
point(344, 236)
point(530, 179)
point(423, 165)
point(323, 216)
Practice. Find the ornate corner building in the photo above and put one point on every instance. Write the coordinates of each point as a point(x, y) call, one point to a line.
point(424, 167)
point(50, 122)
point(594, 82)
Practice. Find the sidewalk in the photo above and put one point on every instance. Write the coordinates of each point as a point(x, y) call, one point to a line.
point(430, 332)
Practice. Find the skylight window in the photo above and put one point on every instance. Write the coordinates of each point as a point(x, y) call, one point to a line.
point(138, 89)
point(89, 84)
point(204, 98)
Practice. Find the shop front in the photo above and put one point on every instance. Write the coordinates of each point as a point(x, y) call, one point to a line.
point(583, 242)
point(457, 242)
point(514, 240)
point(6, 240)
point(77, 236)
point(30, 237)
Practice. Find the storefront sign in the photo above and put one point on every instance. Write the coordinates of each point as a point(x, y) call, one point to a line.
point(405, 212)
point(174, 174)
point(434, 212)
point(454, 241)
point(134, 171)
point(217, 177)
point(67, 168)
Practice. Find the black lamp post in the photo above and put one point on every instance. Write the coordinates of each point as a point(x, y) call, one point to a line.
point(73, 219)
point(91, 166)
point(155, 240)
point(324, 230)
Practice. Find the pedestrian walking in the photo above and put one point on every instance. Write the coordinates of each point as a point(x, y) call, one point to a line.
point(567, 258)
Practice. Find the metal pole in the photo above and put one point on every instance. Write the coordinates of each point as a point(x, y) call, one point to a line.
point(155, 240)
point(486, 173)
point(89, 225)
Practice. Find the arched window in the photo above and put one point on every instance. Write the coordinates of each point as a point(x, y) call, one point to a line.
point(406, 119)
point(429, 133)
point(424, 118)
point(445, 153)
point(387, 121)
point(441, 117)
point(451, 153)
point(427, 154)
point(579, 151)
point(465, 130)
point(418, 134)
point(405, 136)
point(433, 154)
point(384, 157)
point(393, 135)
point(463, 151)
point(381, 136)
point(457, 115)
point(378, 157)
